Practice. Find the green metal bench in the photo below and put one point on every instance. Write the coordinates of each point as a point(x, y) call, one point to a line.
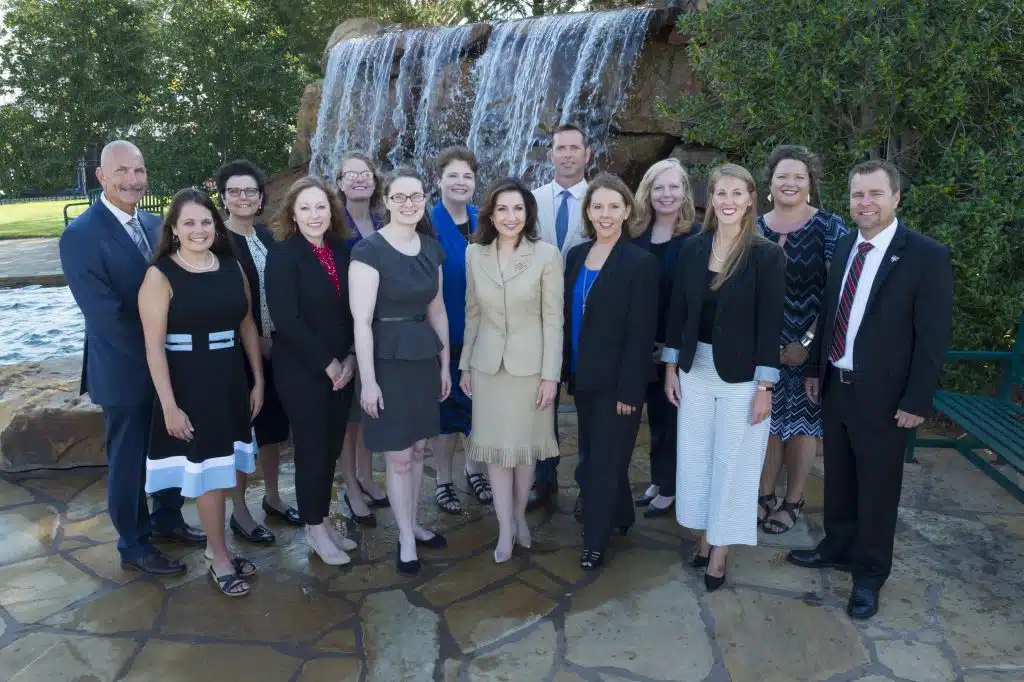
point(992, 422)
point(151, 203)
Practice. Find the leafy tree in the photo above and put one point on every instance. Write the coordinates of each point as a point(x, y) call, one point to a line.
point(31, 156)
point(934, 86)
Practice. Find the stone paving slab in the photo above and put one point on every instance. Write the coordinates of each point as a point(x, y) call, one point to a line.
point(30, 261)
point(951, 611)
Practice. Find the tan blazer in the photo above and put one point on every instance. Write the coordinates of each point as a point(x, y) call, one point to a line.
point(514, 318)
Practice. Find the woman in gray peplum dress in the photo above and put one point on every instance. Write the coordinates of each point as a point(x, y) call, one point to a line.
point(401, 336)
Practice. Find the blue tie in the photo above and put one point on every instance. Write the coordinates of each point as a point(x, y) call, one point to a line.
point(562, 219)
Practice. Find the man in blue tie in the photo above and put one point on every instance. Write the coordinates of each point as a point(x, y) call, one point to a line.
point(559, 221)
point(104, 254)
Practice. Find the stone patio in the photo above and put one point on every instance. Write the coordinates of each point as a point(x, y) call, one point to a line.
point(30, 261)
point(951, 611)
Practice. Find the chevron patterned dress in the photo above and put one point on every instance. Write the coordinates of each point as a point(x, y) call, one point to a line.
point(808, 252)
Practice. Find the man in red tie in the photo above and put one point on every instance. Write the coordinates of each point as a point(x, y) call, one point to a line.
point(876, 357)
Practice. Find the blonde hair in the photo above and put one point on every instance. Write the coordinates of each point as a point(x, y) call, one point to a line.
point(748, 230)
point(644, 213)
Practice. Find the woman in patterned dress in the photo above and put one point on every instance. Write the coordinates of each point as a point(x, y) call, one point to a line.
point(241, 186)
point(809, 236)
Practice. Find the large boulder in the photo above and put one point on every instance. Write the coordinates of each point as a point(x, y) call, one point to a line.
point(305, 124)
point(349, 30)
point(44, 422)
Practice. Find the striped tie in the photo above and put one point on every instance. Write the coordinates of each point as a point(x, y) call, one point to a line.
point(139, 237)
point(846, 302)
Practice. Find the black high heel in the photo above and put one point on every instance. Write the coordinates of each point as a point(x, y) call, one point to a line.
point(712, 582)
point(699, 560)
point(435, 541)
point(406, 567)
point(369, 520)
point(381, 503)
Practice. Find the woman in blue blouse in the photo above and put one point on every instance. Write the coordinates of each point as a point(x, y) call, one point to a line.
point(455, 220)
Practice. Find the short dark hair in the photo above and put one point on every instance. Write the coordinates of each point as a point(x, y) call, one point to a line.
point(241, 167)
point(452, 154)
point(794, 152)
point(486, 232)
point(869, 167)
point(222, 244)
point(614, 183)
point(569, 128)
point(284, 222)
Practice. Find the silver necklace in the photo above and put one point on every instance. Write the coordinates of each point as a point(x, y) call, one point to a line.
point(586, 288)
point(714, 251)
point(205, 268)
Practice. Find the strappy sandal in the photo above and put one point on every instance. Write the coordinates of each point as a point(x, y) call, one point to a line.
point(481, 487)
point(777, 527)
point(446, 498)
point(229, 584)
point(591, 560)
point(766, 502)
point(243, 567)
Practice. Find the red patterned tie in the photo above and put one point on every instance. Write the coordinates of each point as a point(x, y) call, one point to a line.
point(846, 302)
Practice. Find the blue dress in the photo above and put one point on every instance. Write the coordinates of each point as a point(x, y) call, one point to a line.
point(808, 250)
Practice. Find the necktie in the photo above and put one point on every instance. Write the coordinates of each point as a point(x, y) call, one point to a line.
point(562, 219)
point(139, 237)
point(846, 302)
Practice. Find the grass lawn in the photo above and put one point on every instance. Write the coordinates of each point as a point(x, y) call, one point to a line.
point(34, 218)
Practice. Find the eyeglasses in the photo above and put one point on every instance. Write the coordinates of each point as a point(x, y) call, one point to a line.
point(249, 192)
point(417, 198)
point(356, 175)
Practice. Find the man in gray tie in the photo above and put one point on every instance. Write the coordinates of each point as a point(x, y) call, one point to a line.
point(104, 254)
point(559, 222)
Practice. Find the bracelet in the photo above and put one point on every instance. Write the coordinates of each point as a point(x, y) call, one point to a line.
point(807, 339)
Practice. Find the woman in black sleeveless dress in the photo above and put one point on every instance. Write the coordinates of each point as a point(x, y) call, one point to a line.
point(195, 310)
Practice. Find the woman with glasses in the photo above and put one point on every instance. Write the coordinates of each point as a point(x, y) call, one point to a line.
point(401, 340)
point(359, 188)
point(241, 186)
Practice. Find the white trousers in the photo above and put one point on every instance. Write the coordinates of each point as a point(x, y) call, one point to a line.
point(719, 454)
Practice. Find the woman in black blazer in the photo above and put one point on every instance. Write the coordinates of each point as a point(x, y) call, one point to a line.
point(611, 310)
point(241, 186)
point(664, 220)
point(314, 361)
point(722, 360)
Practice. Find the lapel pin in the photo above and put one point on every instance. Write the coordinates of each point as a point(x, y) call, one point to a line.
point(893, 259)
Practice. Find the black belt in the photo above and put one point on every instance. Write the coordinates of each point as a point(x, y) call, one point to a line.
point(845, 376)
point(408, 318)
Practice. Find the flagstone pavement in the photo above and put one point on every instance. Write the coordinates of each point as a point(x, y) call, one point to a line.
point(952, 609)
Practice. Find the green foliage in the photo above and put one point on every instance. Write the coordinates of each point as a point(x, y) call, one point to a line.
point(30, 156)
point(934, 86)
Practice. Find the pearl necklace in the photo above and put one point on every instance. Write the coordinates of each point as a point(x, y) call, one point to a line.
point(714, 252)
point(205, 268)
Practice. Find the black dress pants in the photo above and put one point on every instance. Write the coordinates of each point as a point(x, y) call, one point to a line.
point(318, 417)
point(608, 439)
point(863, 479)
point(661, 418)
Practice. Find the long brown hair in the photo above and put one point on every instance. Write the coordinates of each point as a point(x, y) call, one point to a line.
point(284, 224)
point(645, 214)
point(222, 244)
point(615, 184)
point(486, 232)
point(748, 230)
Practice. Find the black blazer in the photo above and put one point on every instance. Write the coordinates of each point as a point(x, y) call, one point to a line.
point(313, 323)
point(617, 335)
point(249, 268)
point(748, 320)
point(902, 340)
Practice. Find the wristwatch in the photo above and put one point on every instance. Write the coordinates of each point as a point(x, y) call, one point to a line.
point(762, 387)
point(807, 339)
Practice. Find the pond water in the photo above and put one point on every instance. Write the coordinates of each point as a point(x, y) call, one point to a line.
point(38, 322)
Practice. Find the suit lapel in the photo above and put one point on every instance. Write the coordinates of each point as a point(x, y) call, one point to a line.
point(889, 261)
point(120, 234)
point(522, 260)
point(606, 275)
point(489, 262)
point(305, 252)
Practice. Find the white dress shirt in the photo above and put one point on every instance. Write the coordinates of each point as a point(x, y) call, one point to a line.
point(121, 216)
point(872, 261)
point(549, 200)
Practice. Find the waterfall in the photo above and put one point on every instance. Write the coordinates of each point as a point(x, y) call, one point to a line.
point(534, 74)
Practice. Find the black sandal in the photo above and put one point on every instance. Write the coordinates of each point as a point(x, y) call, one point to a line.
point(481, 487)
point(591, 560)
point(766, 502)
point(446, 498)
point(227, 584)
point(777, 527)
point(243, 567)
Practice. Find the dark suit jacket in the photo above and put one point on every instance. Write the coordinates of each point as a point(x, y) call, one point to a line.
point(249, 268)
point(313, 323)
point(748, 319)
point(902, 340)
point(617, 336)
point(104, 270)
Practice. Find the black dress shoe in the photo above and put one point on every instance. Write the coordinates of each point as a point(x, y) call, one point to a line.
point(185, 534)
point(154, 563)
point(539, 497)
point(653, 512)
point(712, 582)
point(369, 520)
point(260, 535)
point(812, 558)
point(436, 541)
point(863, 603)
point(374, 502)
point(290, 515)
point(406, 567)
point(643, 500)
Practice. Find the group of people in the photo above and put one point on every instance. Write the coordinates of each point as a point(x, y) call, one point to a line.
point(361, 322)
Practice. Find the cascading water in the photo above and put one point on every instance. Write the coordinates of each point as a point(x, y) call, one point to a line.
point(533, 75)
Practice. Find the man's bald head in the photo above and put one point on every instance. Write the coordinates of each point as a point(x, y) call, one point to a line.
point(122, 174)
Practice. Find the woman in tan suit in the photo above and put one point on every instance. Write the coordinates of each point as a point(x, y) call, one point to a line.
point(512, 351)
